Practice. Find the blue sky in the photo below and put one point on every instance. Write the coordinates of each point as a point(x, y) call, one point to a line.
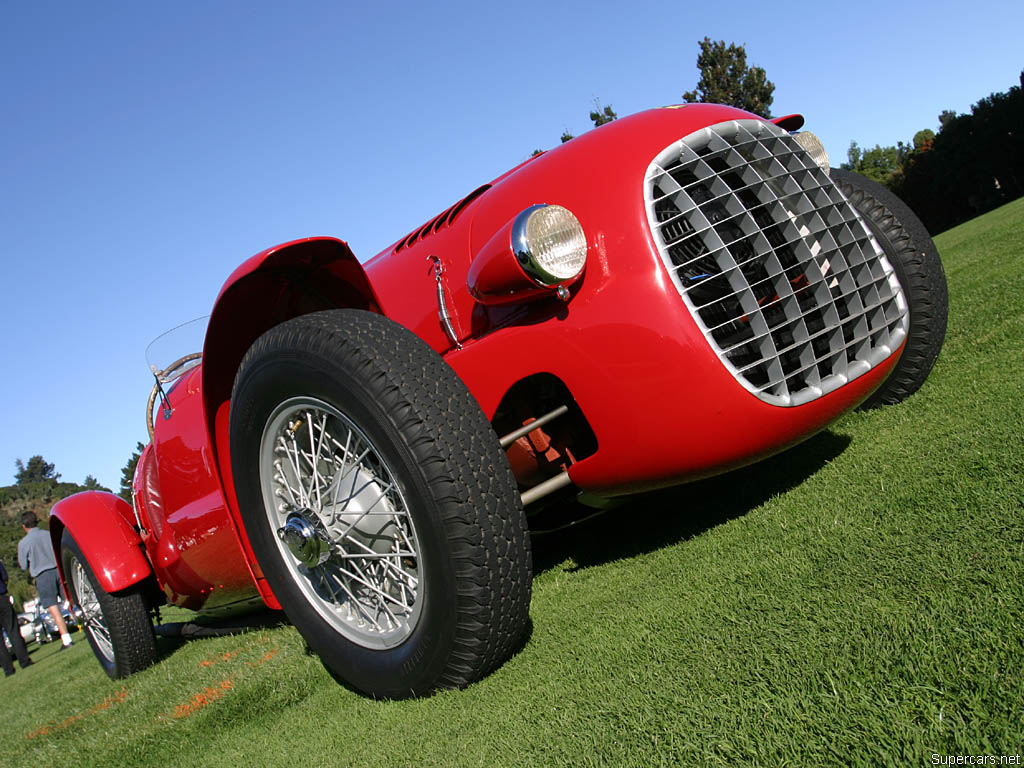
point(147, 149)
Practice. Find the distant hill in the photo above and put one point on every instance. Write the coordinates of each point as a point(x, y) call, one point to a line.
point(36, 497)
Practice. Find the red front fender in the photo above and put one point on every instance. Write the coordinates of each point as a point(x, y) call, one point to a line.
point(101, 525)
point(275, 285)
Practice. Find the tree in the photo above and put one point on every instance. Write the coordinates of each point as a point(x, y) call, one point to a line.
point(128, 473)
point(600, 115)
point(975, 163)
point(924, 139)
point(878, 163)
point(36, 471)
point(92, 484)
point(725, 78)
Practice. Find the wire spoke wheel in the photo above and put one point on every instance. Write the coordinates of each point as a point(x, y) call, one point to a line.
point(92, 613)
point(342, 524)
point(379, 504)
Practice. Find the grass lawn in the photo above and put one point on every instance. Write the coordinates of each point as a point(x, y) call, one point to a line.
point(854, 601)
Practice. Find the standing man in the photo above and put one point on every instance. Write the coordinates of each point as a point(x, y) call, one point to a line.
point(10, 626)
point(35, 554)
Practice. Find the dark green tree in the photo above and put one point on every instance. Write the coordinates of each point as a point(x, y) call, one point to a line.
point(601, 115)
point(945, 117)
point(92, 484)
point(878, 163)
point(924, 139)
point(725, 78)
point(976, 162)
point(37, 470)
point(128, 473)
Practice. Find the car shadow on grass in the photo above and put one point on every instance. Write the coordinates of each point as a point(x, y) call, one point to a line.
point(650, 521)
point(642, 524)
point(172, 635)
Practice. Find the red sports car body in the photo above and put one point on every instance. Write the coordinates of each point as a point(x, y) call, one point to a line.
point(734, 299)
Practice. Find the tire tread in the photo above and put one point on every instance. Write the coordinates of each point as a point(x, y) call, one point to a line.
point(921, 275)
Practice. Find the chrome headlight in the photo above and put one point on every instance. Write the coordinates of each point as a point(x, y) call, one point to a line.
point(549, 243)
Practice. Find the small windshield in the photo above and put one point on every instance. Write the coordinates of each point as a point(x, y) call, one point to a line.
point(178, 350)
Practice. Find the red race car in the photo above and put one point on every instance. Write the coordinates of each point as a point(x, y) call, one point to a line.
point(670, 296)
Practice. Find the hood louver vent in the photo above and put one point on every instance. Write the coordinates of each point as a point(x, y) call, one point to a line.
point(442, 220)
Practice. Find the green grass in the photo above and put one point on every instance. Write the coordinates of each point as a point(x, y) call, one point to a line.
point(854, 601)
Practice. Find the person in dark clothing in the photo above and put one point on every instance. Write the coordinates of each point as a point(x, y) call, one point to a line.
point(9, 625)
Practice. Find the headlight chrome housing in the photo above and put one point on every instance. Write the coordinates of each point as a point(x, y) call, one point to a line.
point(549, 244)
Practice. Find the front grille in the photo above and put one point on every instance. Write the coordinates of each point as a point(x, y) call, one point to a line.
point(776, 267)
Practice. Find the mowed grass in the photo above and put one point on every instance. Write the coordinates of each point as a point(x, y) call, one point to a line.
point(854, 601)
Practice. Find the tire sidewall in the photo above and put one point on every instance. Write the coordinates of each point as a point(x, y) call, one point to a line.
point(272, 378)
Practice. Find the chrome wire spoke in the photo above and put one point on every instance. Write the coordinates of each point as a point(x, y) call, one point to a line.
point(361, 578)
point(380, 599)
point(370, 554)
point(99, 631)
point(282, 481)
point(359, 605)
point(352, 468)
point(344, 448)
point(365, 512)
point(299, 460)
point(352, 601)
point(338, 473)
point(373, 555)
point(401, 532)
point(315, 457)
point(293, 463)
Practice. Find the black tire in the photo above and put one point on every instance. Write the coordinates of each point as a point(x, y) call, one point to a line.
point(913, 255)
point(429, 438)
point(117, 623)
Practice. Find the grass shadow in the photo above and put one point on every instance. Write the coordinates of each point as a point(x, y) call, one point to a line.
point(170, 636)
point(517, 648)
point(650, 521)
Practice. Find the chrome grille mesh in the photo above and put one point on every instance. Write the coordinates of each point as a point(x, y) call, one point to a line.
point(776, 267)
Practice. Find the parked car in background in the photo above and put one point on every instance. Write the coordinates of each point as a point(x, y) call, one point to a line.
point(37, 624)
point(30, 629)
point(670, 296)
point(26, 628)
point(46, 628)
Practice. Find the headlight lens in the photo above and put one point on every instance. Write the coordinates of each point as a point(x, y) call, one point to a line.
point(813, 146)
point(549, 243)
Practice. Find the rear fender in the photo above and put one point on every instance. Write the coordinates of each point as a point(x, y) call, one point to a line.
point(101, 524)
